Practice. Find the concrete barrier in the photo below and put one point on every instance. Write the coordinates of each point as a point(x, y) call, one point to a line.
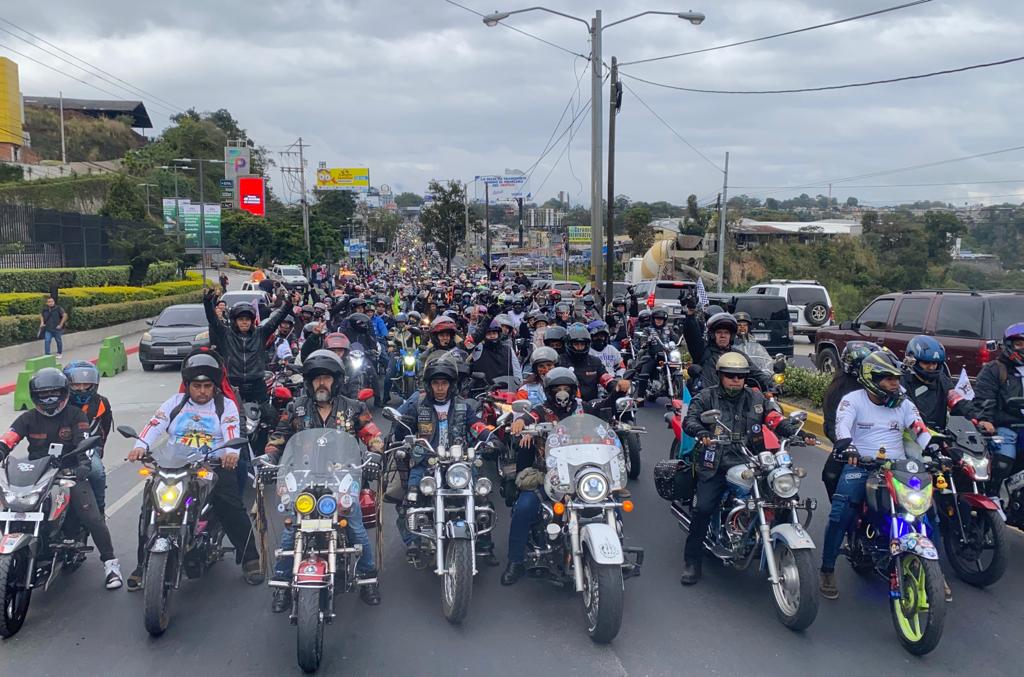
point(22, 399)
point(112, 359)
point(24, 351)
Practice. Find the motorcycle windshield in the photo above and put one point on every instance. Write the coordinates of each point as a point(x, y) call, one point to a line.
point(177, 454)
point(320, 457)
point(584, 441)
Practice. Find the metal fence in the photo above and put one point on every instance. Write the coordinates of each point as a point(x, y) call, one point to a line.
point(44, 238)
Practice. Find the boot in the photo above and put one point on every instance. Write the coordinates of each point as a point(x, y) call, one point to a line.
point(513, 572)
point(691, 573)
point(485, 550)
point(947, 590)
point(282, 600)
point(370, 592)
point(135, 580)
point(828, 587)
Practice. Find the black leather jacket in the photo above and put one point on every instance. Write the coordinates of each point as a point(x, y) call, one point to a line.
point(245, 354)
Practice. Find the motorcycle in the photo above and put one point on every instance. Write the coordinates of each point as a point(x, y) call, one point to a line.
point(973, 528)
point(890, 540)
point(37, 540)
point(181, 538)
point(577, 542)
point(407, 378)
point(498, 409)
point(623, 422)
point(319, 478)
point(361, 373)
point(759, 519)
point(445, 514)
point(667, 379)
point(1011, 491)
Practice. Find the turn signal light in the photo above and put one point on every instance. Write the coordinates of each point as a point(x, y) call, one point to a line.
point(559, 509)
point(145, 472)
point(627, 506)
point(343, 523)
point(202, 473)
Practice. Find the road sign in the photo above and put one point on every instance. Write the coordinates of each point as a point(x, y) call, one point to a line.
point(226, 183)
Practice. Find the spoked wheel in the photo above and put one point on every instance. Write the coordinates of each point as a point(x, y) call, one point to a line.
point(980, 558)
point(920, 614)
point(310, 622)
point(603, 598)
point(16, 598)
point(631, 444)
point(796, 597)
point(458, 580)
point(156, 594)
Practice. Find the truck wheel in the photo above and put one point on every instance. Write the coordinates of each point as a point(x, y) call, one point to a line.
point(828, 360)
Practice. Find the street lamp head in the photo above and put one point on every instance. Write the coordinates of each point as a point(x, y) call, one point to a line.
point(493, 18)
point(696, 18)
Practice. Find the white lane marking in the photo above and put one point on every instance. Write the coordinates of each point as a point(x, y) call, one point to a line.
point(123, 501)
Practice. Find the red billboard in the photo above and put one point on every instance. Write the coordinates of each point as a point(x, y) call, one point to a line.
point(251, 197)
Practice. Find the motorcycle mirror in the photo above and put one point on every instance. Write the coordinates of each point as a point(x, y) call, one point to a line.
point(478, 376)
point(127, 431)
point(780, 364)
point(365, 394)
point(710, 416)
point(623, 403)
point(87, 443)
point(798, 416)
point(521, 406)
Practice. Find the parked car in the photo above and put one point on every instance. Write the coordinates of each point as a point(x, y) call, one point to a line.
point(257, 295)
point(810, 306)
point(567, 288)
point(770, 319)
point(173, 334)
point(969, 324)
point(290, 276)
point(665, 293)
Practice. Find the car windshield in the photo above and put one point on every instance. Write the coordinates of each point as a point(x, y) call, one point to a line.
point(1006, 310)
point(232, 298)
point(291, 271)
point(669, 291)
point(321, 457)
point(581, 441)
point(181, 316)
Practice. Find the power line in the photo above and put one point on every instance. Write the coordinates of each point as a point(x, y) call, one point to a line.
point(672, 129)
point(59, 72)
point(518, 30)
point(886, 185)
point(927, 164)
point(566, 148)
point(779, 35)
point(826, 88)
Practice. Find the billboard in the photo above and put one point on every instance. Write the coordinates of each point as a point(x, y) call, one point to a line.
point(236, 162)
point(10, 103)
point(190, 221)
point(356, 179)
point(251, 195)
point(170, 217)
point(505, 188)
point(579, 234)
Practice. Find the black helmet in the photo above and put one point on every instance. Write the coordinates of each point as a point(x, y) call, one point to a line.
point(722, 321)
point(588, 301)
point(241, 308)
point(659, 313)
point(201, 367)
point(742, 316)
point(322, 362)
point(356, 302)
point(713, 309)
point(578, 333)
point(401, 317)
point(560, 376)
point(359, 322)
point(854, 353)
point(49, 391)
point(557, 333)
point(444, 367)
point(618, 301)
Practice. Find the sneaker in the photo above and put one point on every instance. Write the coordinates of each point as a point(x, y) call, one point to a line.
point(135, 580)
point(948, 591)
point(112, 569)
point(827, 586)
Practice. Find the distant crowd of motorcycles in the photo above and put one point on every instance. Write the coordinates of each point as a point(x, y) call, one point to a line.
point(501, 389)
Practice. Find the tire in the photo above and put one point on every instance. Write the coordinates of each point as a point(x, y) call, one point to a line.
point(920, 576)
point(987, 527)
point(408, 387)
point(816, 314)
point(156, 594)
point(603, 599)
point(673, 450)
point(457, 584)
point(14, 605)
point(310, 624)
point(631, 449)
point(828, 360)
point(147, 366)
point(796, 605)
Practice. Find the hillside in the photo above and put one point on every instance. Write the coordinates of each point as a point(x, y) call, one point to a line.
point(86, 138)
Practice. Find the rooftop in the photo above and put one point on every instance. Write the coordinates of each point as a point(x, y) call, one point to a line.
point(136, 110)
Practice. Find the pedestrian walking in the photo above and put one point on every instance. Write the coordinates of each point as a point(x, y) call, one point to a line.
point(51, 326)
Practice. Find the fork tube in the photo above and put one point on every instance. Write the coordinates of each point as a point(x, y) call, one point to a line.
point(956, 508)
point(439, 516)
point(296, 549)
point(766, 537)
point(668, 381)
point(577, 553)
point(471, 521)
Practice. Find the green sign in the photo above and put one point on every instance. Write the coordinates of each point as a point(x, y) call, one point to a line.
point(192, 216)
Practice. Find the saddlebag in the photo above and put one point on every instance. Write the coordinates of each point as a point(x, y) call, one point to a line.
point(675, 480)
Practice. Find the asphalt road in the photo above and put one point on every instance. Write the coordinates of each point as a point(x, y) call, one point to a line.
point(725, 625)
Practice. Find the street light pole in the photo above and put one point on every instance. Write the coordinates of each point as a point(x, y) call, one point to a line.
point(596, 129)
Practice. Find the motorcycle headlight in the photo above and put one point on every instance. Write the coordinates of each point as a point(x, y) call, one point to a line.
point(914, 501)
point(458, 476)
point(483, 486)
point(592, 487)
point(168, 496)
point(675, 356)
point(980, 466)
point(327, 505)
point(409, 361)
point(784, 483)
point(304, 503)
point(357, 362)
point(428, 486)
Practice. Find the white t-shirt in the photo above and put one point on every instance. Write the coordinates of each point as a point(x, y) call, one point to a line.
point(194, 426)
point(872, 426)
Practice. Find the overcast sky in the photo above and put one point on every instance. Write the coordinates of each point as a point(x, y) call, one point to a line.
point(421, 89)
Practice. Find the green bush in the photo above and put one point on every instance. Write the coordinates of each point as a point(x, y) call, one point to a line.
point(806, 383)
point(241, 266)
point(29, 303)
point(161, 271)
point(43, 279)
point(176, 287)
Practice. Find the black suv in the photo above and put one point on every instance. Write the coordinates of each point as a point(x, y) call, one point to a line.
point(769, 315)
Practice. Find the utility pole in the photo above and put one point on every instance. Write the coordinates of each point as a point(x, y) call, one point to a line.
point(596, 189)
point(614, 102)
point(202, 221)
point(487, 227)
point(63, 147)
point(301, 171)
point(721, 224)
point(520, 201)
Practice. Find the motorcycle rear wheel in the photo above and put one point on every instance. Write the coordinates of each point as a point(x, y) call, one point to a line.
point(156, 594)
point(603, 599)
point(796, 604)
point(310, 623)
point(988, 528)
point(16, 598)
point(457, 582)
point(920, 614)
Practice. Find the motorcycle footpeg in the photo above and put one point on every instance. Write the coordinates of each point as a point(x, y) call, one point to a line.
point(82, 549)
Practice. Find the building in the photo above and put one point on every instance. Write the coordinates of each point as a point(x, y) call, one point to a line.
point(541, 217)
point(96, 108)
point(12, 135)
point(749, 233)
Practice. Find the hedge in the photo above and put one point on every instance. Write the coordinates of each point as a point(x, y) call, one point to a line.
point(43, 279)
point(806, 383)
point(161, 271)
point(241, 266)
point(28, 303)
point(24, 328)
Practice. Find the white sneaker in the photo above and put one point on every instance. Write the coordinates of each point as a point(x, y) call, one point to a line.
point(112, 568)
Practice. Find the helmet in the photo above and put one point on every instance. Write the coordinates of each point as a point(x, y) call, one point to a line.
point(241, 308)
point(442, 323)
point(201, 367)
point(1013, 333)
point(561, 376)
point(588, 301)
point(876, 366)
point(445, 368)
point(359, 322)
point(81, 372)
point(401, 317)
point(722, 321)
point(713, 309)
point(563, 308)
point(659, 313)
point(504, 320)
point(307, 309)
point(555, 333)
point(598, 334)
point(597, 326)
point(732, 363)
point(48, 389)
point(517, 303)
point(742, 316)
point(356, 302)
point(643, 318)
point(543, 354)
point(336, 341)
point(555, 295)
point(322, 362)
point(319, 309)
point(415, 317)
point(578, 333)
point(926, 349)
point(288, 319)
point(854, 353)
point(618, 301)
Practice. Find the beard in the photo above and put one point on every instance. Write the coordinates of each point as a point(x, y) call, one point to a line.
point(322, 395)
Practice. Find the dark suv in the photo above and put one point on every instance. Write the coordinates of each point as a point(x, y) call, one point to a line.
point(969, 324)
point(769, 315)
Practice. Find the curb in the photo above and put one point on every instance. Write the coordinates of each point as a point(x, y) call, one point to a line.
point(815, 421)
point(8, 388)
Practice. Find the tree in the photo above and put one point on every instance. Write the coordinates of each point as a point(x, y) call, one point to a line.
point(408, 199)
point(852, 201)
point(134, 235)
point(698, 220)
point(444, 221)
point(334, 206)
point(638, 227)
point(248, 237)
point(124, 201)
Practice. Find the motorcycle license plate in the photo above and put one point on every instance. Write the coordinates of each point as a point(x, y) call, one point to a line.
point(761, 336)
point(1015, 482)
point(21, 516)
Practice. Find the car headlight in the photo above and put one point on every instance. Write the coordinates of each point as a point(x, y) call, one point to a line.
point(147, 337)
point(784, 483)
point(458, 476)
point(592, 487)
point(675, 356)
point(168, 496)
point(326, 505)
point(304, 503)
point(202, 336)
point(409, 360)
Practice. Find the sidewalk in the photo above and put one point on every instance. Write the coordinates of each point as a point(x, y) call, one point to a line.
point(89, 352)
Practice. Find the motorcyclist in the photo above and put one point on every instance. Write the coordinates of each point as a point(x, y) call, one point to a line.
point(602, 347)
point(542, 360)
point(588, 368)
point(844, 381)
point(563, 314)
point(442, 339)
point(84, 381)
point(748, 345)
point(928, 385)
point(321, 405)
point(285, 336)
point(203, 418)
point(998, 381)
point(495, 358)
point(721, 331)
point(647, 348)
point(741, 409)
point(398, 339)
point(52, 421)
point(556, 336)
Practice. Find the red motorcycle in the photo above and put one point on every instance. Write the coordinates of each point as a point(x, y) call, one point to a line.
point(497, 410)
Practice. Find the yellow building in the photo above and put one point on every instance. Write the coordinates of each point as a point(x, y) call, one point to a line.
point(11, 137)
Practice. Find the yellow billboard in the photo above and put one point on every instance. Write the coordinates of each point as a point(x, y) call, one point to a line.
point(10, 103)
point(356, 179)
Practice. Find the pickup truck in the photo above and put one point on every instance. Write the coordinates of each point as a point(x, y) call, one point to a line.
point(290, 276)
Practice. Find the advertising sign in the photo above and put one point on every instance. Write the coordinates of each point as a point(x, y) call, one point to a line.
point(251, 195)
point(170, 219)
point(190, 220)
point(236, 162)
point(505, 188)
point(579, 234)
point(356, 179)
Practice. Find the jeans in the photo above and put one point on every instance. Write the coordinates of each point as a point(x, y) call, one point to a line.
point(709, 498)
point(53, 335)
point(355, 531)
point(525, 514)
point(98, 482)
point(89, 516)
point(1009, 446)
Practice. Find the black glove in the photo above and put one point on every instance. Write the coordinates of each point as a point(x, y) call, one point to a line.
point(209, 294)
point(810, 439)
point(705, 438)
point(82, 471)
point(371, 471)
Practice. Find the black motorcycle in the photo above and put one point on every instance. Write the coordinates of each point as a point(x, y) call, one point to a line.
point(1011, 491)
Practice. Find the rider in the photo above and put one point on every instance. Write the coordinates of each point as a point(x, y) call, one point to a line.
point(588, 368)
point(542, 361)
point(928, 386)
point(602, 347)
point(741, 408)
point(659, 327)
point(495, 358)
point(442, 339)
point(51, 421)
point(556, 336)
point(721, 331)
point(998, 381)
point(84, 380)
point(323, 406)
point(202, 417)
point(845, 380)
point(748, 345)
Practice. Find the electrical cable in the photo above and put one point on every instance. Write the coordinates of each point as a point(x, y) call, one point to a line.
point(886, 185)
point(672, 129)
point(518, 30)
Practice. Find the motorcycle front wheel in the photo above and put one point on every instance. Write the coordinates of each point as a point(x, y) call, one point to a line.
point(457, 588)
point(920, 614)
point(985, 532)
point(156, 594)
point(603, 599)
point(13, 569)
point(310, 623)
point(796, 597)
point(631, 444)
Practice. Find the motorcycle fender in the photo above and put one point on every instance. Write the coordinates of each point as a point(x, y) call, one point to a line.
point(921, 546)
point(161, 544)
point(793, 535)
point(458, 529)
point(311, 571)
point(677, 426)
point(980, 502)
point(11, 543)
point(602, 542)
